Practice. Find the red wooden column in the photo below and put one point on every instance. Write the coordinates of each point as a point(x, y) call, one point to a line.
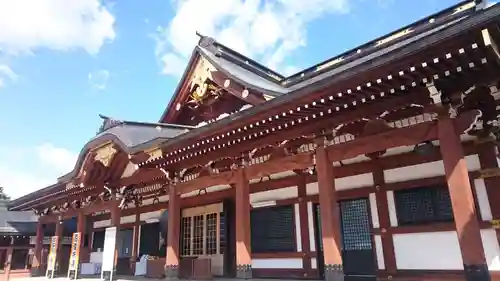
point(59, 235)
point(384, 220)
point(81, 225)
point(330, 220)
point(135, 241)
point(462, 200)
point(36, 266)
point(173, 234)
point(243, 247)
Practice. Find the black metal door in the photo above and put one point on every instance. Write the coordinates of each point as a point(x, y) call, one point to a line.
point(358, 255)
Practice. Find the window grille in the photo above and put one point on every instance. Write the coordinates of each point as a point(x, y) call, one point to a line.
point(423, 205)
point(272, 230)
point(222, 233)
point(199, 235)
point(211, 234)
point(186, 236)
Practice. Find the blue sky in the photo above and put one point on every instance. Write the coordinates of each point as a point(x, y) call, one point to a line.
point(64, 62)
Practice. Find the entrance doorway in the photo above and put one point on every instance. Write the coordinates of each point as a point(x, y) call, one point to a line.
point(358, 255)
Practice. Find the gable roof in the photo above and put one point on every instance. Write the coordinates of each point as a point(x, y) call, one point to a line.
point(130, 136)
point(256, 76)
point(16, 222)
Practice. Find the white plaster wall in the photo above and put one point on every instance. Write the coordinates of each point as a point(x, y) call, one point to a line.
point(123, 220)
point(129, 170)
point(208, 190)
point(491, 249)
point(310, 222)
point(278, 263)
point(127, 219)
point(297, 227)
point(393, 218)
point(374, 210)
point(276, 194)
point(426, 170)
point(439, 250)
point(314, 263)
point(344, 183)
point(428, 251)
point(103, 223)
point(150, 215)
point(482, 199)
point(273, 177)
point(379, 252)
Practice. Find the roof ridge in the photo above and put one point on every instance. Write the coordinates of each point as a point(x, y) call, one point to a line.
point(442, 17)
point(218, 49)
point(109, 123)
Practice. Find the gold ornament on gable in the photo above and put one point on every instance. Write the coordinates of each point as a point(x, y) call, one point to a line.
point(105, 154)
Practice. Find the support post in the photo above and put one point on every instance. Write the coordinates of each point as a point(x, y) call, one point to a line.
point(173, 234)
point(243, 247)
point(384, 220)
point(36, 266)
point(59, 240)
point(135, 241)
point(462, 200)
point(330, 221)
point(76, 247)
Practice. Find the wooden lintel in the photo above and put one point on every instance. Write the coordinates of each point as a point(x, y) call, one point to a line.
point(489, 173)
point(204, 182)
point(289, 163)
point(394, 138)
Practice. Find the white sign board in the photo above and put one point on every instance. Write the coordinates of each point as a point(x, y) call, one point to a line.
point(108, 254)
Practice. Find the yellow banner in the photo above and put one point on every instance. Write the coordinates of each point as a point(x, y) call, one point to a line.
point(75, 251)
point(51, 261)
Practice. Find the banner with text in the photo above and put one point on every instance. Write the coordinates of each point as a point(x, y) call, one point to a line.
point(51, 259)
point(74, 255)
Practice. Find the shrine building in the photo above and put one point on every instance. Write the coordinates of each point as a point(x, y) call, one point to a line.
point(378, 164)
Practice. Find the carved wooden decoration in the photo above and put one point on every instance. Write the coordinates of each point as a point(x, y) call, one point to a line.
point(105, 154)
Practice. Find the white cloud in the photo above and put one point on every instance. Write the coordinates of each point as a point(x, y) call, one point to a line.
point(99, 79)
point(27, 25)
point(257, 28)
point(6, 73)
point(25, 170)
point(59, 158)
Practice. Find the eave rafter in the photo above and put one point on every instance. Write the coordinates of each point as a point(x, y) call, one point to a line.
point(362, 108)
point(453, 63)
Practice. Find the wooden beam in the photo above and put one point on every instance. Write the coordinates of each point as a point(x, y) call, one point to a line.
point(235, 89)
point(394, 138)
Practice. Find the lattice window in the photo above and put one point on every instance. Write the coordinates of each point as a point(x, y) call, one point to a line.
point(356, 229)
point(272, 230)
point(211, 234)
point(186, 236)
point(423, 205)
point(198, 235)
point(222, 235)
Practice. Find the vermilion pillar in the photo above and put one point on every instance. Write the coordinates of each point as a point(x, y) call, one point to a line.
point(81, 226)
point(173, 234)
point(330, 221)
point(36, 266)
point(135, 241)
point(59, 235)
point(243, 247)
point(462, 200)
